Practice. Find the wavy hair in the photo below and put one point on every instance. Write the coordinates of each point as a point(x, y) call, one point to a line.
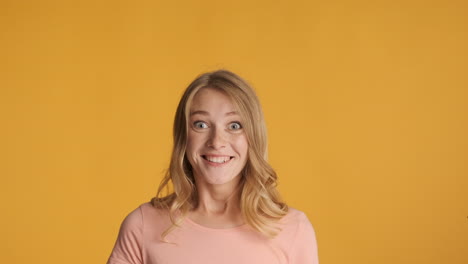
point(260, 202)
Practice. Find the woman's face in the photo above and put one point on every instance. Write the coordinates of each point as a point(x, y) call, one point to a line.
point(216, 145)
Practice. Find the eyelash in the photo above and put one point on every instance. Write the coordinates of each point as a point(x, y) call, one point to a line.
point(235, 123)
point(196, 123)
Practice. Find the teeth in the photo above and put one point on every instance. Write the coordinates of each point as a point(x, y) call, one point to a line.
point(218, 159)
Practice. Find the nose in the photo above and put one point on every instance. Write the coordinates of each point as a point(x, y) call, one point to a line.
point(217, 139)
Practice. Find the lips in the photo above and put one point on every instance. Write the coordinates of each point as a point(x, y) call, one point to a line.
point(217, 159)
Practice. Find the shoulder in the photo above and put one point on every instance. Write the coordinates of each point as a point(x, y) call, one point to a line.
point(130, 243)
point(300, 221)
point(303, 243)
point(291, 224)
point(295, 217)
point(149, 212)
point(132, 221)
point(143, 217)
point(295, 213)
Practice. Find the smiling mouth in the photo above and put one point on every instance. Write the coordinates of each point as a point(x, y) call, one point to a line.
point(217, 159)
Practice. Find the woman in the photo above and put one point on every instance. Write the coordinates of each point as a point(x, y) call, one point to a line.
point(224, 207)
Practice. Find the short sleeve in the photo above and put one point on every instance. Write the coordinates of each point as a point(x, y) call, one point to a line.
point(304, 247)
point(128, 247)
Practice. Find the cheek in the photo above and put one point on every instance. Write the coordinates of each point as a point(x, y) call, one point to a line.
point(242, 145)
point(194, 142)
point(191, 146)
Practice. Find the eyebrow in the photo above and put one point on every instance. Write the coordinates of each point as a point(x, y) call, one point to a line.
point(205, 113)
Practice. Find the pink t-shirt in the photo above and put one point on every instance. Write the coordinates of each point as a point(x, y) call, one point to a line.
point(139, 241)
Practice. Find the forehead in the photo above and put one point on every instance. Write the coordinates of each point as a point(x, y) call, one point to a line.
point(212, 100)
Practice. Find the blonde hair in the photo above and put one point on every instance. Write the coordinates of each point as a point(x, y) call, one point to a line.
point(260, 202)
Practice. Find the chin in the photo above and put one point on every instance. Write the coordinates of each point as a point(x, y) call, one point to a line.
point(217, 180)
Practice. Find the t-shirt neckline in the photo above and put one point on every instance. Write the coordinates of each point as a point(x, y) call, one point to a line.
point(206, 228)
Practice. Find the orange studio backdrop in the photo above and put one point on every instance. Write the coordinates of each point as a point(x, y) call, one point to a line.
point(366, 104)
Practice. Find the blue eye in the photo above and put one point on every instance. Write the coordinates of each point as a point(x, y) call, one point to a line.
point(235, 126)
point(200, 124)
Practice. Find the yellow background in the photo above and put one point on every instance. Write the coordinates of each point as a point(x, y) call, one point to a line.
point(366, 104)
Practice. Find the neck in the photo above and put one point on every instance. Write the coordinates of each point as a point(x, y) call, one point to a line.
point(218, 199)
point(218, 208)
